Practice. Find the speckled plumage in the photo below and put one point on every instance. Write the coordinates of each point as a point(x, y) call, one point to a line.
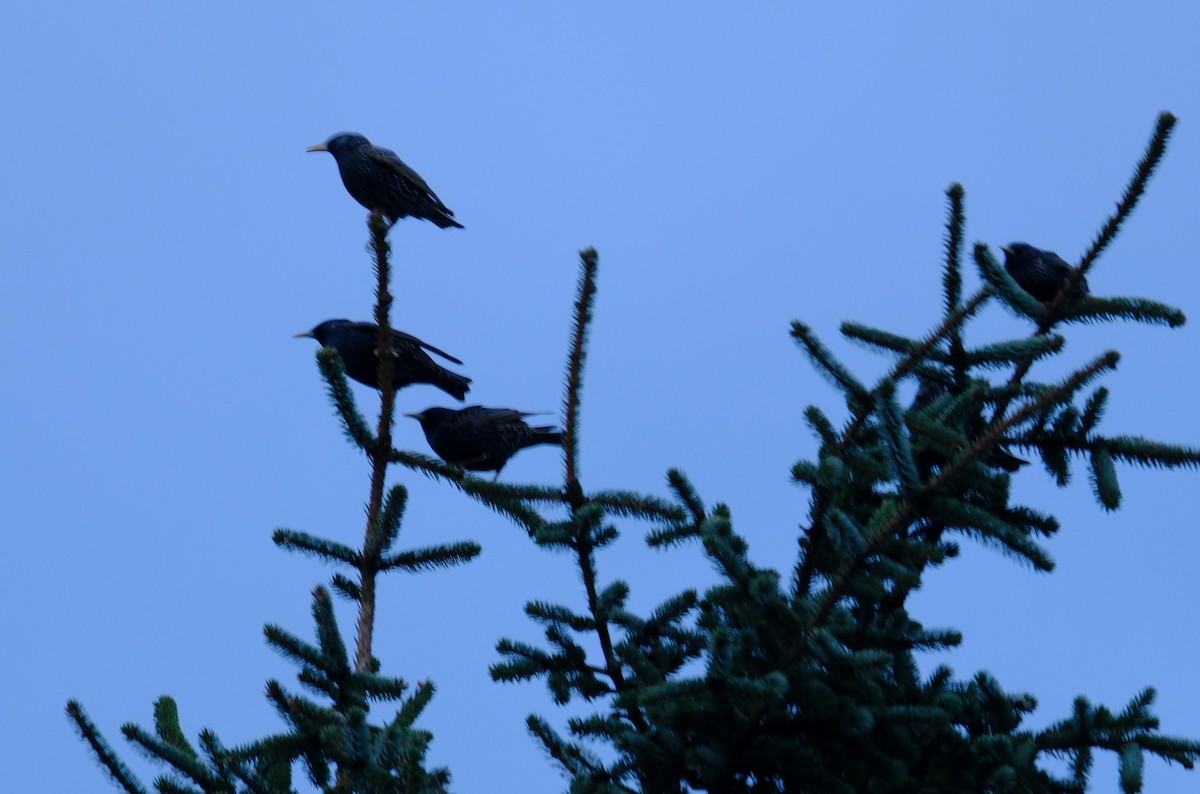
point(379, 180)
point(356, 343)
point(479, 438)
point(1040, 273)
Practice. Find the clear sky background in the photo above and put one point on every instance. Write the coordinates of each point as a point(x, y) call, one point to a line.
point(737, 166)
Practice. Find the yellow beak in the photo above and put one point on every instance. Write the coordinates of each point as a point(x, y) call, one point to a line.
point(1006, 249)
point(320, 147)
point(304, 335)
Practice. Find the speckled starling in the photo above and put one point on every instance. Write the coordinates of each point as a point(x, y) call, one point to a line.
point(1040, 273)
point(481, 439)
point(356, 344)
point(380, 181)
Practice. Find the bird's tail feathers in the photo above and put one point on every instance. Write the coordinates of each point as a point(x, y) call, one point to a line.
point(444, 219)
point(454, 384)
point(546, 435)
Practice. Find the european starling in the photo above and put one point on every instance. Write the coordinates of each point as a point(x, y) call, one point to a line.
point(356, 343)
point(1040, 273)
point(379, 180)
point(481, 439)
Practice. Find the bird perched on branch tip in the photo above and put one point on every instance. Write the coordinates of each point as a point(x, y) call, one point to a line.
point(479, 438)
point(1041, 273)
point(356, 343)
point(381, 181)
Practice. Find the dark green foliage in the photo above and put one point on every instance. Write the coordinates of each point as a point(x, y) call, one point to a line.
point(812, 684)
point(329, 738)
point(767, 682)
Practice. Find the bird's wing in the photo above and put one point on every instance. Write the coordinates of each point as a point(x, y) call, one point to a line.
point(1064, 271)
point(392, 161)
point(495, 416)
point(1057, 264)
point(426, 345)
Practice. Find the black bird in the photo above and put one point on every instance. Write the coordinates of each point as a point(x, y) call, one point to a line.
point(481, 439)
point(379, 180)
point(1040, 273)
point(356, 343)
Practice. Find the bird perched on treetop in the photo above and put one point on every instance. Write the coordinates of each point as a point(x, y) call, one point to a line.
point(1040, 273)
point(380, 181)
point(481, 439)
point(356, 344)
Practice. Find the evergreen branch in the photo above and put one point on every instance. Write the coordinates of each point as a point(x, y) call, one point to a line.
point(165, 785)
point(108, 759)
point(184, 762)
point(986, 441)
point(885, 340)
point(1152, 453)
point(686, 493)
point(844, 532)
point(895, 434)
point(380, 453)
point(1054, 311)
point(950, 325)
point(334, 372)
point(570, 756)
point(522, 492)
point(333, 649)
point(344, 585)
point(431, 557)
point(293, 647)
point(988, 525)
point(501, 497)
point(318, 547)
point(389, 522)
point(1093, 410)
point(1097, 727)
point(1155, 150)
point(1013, 295)
point(952, 278)
point(671, 536)
point(380, 687)
point(166, 724)
point(582, 317)
point(588, 533)
point(822, 357)
point(524, 661)
point(805, 570)
point(1104, 479)
point(222, 763)
point(1019, 351)
point(407, 716)
point(1128, 449)
point(1141, 310)
point(633, 505)
point(552, 614)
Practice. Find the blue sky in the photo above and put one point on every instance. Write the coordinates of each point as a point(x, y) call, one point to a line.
point(737, 168)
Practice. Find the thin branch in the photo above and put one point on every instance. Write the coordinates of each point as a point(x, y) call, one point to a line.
point(104, 754)
point(588, 260)
point(1133, 191)
point(380, 454)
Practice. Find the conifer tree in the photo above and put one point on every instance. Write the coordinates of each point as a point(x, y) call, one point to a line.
point(770, 681)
